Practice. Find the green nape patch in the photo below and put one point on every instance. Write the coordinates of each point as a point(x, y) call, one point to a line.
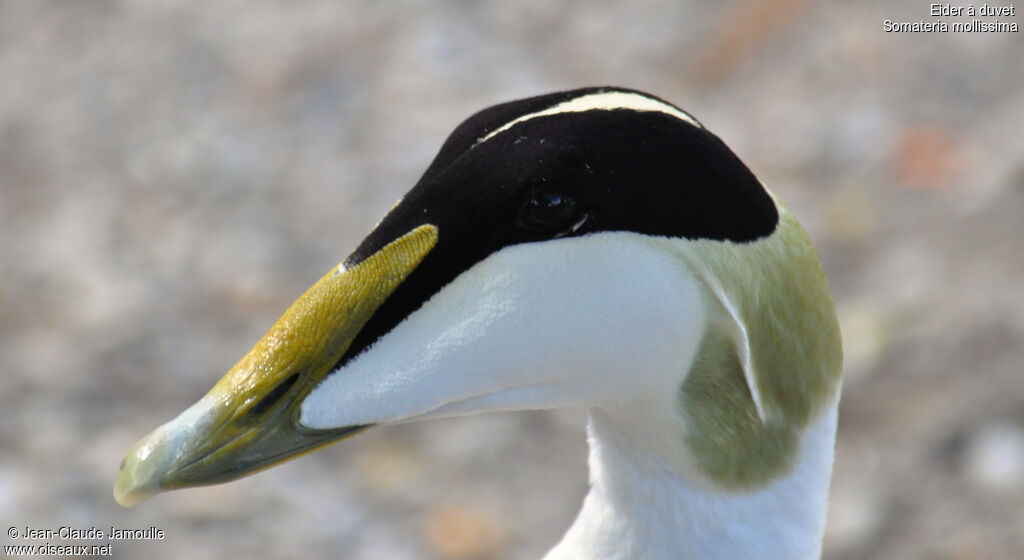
point(773, 341)
point(723, 431)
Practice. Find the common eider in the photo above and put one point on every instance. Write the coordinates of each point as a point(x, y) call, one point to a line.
point(596, 248)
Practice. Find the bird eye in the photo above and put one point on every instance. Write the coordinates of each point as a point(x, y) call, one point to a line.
point(547, 211)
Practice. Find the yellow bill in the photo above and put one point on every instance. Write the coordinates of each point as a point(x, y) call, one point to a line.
point(249, 420)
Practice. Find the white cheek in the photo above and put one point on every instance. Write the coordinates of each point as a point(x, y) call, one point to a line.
point(573, 321)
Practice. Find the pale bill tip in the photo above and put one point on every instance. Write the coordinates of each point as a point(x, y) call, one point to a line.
point(143, 468)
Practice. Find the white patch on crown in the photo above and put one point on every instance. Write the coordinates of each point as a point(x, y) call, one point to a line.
point(599, 101)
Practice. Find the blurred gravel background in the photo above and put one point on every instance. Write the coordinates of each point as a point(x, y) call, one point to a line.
point(174, 174)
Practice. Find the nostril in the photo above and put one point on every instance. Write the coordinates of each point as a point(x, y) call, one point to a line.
point(273, 396)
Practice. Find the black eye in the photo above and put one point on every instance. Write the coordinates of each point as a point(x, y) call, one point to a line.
point(547, 211)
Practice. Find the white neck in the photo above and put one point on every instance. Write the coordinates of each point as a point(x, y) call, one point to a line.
point(640, 507)
point(485, 343)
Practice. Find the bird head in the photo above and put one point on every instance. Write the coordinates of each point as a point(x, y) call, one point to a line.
point(596, 247)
